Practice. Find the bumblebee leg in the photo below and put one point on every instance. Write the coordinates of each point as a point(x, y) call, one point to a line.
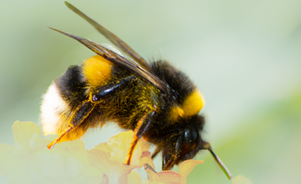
point(147, 166)
point(111, 87)
point(140, 129)
point(60, 137)
point(168, 164)
point(77, 118)
point(157, 150)
point(171, 155)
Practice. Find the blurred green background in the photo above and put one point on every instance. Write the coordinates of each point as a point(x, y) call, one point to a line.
point(244, 56)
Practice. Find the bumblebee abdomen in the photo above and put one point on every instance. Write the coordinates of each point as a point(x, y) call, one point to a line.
point(72, 86)
point(52, 108)
point(63, 96)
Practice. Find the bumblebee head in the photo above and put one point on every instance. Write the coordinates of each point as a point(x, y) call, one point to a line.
point(191, 138)
point(184, 143)
point(187, 143)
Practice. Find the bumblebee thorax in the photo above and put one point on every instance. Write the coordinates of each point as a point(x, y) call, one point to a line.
point(184, 97)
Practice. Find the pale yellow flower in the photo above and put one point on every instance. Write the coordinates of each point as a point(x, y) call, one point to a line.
point(29, 160)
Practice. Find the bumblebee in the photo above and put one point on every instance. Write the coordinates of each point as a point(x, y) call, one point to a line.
point(154, 99)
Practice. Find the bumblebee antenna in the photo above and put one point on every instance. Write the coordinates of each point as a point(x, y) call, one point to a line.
point(219, 162)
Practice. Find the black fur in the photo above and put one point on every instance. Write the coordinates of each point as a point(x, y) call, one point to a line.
point(177, 81)
point(71, 86)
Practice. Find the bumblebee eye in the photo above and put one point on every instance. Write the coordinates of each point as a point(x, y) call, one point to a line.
point(190, 136)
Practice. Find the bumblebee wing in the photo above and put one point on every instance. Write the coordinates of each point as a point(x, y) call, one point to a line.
point(113, 38)
point(119, 60)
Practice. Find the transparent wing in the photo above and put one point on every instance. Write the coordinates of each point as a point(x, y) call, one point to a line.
point(113, 38)
point(119, 60)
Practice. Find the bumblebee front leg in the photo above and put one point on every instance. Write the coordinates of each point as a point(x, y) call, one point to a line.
point(142, 126)
point(171, 154)
point(81, 113)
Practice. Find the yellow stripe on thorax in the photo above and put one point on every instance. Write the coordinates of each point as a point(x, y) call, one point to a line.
point(97, 70)
point(191, 106)
point(193, 103)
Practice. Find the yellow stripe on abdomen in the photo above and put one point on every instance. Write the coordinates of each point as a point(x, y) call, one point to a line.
point(97, 70)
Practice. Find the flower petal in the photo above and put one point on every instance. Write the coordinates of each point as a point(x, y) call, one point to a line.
point(169, 177)
point(104, 147)
point(134, 178)
point(26, 134)
point(146, 159)
point(120, 145)
point(152, 175)
point(115, 171)
point(186, 167)
point(10, 166)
